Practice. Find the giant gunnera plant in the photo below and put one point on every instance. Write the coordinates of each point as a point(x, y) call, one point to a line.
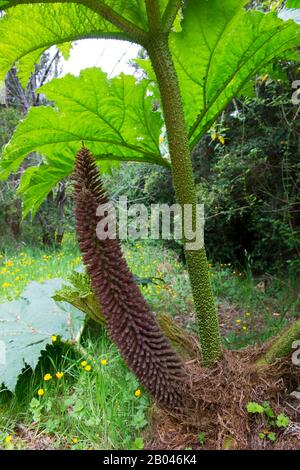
point(130, 323)
point(202, 53)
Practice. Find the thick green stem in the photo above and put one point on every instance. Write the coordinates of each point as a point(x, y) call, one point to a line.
point(282, 345)
point(185, 190)
point(170, 14)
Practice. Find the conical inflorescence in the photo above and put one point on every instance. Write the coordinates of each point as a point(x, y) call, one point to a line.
point(130, 323)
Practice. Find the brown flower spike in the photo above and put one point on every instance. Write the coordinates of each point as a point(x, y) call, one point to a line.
point(130, 323)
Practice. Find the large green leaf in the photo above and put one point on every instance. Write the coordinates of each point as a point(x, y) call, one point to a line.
point(134, 11)
point(113, 117)
point(28, 324)
point(23, 42)
point(229, 45)
point(37, 182)
point(26, 31)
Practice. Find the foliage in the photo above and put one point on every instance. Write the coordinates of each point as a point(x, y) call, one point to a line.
point(253, 407)
point(50, 24)
point(94, 409)
point(28, 324)
point(115, 120)
point(273, 421)
point(10, 205)
point(201, 438)
point(106, 395)
point(225, 66)
point(263, 37)
point(293, 4)
point(249, 182)
point(221, 66)
point(54, 215)
point(262, 312)
point(9, 118)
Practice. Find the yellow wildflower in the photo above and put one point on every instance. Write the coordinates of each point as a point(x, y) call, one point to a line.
point(138, 393)
point(3, 270)
point(88, 368)
point(47, 377)
point(75, 440)
point(104, 362)
point(244, 328)
point(221, 139)
point(83, 363)
point(41, 392)
point(214, 135)
point(8, 439)
point(53, 338)
point(59, 375)
point(9, 263)
point(238, 321)
point(5, 285)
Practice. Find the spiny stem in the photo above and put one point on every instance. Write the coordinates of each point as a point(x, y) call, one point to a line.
point(170, 14)
point(153, 13)
point(185, 190)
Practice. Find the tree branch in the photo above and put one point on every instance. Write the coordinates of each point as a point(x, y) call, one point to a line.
point(170, 14)
point(45, 76)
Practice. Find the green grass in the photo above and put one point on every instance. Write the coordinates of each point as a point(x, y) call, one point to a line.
point(98, 409)
point(17, 269)
point(170, 293)
point(261, 306)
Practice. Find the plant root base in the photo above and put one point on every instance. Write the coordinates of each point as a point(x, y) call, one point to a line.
point(216, 402)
